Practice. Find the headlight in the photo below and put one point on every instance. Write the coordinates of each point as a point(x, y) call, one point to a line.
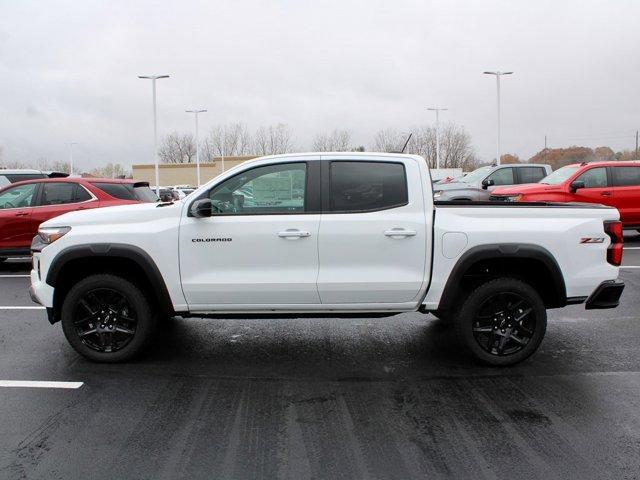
point(51, 234)
point(512, 198)
point(437, 194)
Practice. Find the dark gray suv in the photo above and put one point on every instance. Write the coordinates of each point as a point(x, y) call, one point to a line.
point(477, 185)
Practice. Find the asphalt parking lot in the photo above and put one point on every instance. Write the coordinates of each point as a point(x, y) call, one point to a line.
point(323, 398)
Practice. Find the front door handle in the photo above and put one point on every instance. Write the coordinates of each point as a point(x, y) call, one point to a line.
point(22, 214)
point(400, 232)
point(293, 233)
point(605, 194)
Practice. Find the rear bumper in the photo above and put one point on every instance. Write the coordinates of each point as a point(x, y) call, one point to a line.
point(607, 295)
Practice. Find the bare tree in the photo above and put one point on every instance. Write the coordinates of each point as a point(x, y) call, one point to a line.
point(335, 141)
point(387, 140)
point(60, 166)
point(456, 150)
point(229, 140)
point(110, 170)
point(272, 140)
point(177, 148)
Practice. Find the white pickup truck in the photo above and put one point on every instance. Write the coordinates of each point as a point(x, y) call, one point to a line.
point(329, 235)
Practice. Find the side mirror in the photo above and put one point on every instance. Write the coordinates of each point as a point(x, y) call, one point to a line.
point(201, 208)
point(576, 185)
point(487, 182)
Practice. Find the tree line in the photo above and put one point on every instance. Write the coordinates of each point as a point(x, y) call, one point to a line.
point(235, 139)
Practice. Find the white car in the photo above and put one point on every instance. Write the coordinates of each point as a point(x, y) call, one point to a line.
point(183, 190)
point(335, 235)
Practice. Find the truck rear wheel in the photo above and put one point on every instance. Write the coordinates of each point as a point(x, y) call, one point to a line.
point(107, 319)
point(502, 322)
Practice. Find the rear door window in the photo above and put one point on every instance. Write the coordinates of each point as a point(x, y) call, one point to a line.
point(594, 178)
point(504, 176)
point(531, 174)
point(366, 186)
point(58, 193)
point(626, 176)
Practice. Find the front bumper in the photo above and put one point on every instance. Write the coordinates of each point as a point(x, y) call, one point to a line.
point(607, 295)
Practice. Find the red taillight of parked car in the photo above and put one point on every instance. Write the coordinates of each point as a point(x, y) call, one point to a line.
point(614, 252)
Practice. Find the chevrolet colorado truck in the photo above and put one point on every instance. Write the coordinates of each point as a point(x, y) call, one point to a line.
point(325, 235)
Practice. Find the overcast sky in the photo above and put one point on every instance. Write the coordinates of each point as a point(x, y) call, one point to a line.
point(68, 71)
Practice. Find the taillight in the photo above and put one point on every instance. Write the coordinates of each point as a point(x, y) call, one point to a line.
point(614, 252)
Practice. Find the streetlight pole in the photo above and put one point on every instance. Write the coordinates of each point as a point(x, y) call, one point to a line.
point(498, 74)
point(153, 79)
point(71, 144)
point(437, 110)
point(196, 112)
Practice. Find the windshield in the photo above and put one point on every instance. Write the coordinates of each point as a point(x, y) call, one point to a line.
point(560, 175)
point(474, 176)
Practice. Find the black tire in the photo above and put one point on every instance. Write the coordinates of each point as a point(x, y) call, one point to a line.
point(107, 319)
point(3, 259)
point(502, 322)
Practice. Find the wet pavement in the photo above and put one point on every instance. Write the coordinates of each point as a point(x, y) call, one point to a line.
point(323, 398)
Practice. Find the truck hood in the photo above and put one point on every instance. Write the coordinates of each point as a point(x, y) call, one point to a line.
point(452, 186)
point(121, 214)
point(527, 188)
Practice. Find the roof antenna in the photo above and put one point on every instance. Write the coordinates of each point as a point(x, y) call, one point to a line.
point(407, 142)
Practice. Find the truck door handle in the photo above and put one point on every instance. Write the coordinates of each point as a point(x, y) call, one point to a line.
point(293, 233)
point(22, 214)
point(605, 194)
point(400, 232)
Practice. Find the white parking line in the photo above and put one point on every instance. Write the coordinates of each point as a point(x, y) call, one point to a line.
point(18, 307)
point(38, 384)
point(632, 248)
point(15, 276)
point(630, 266)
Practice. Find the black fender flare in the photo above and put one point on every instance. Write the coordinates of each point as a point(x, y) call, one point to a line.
point(503, 250)
point(114, 250)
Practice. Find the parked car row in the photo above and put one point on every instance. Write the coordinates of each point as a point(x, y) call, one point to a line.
point(611, 183)
point(615, 184)
point(25, 205)
point(176, 192)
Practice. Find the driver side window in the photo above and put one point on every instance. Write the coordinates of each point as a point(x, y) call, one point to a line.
point(19, 196)
point(594, 178)
point(271, 189)
point(504, 176)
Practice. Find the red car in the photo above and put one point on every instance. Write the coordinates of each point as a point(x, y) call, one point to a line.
point(616, 184)
point(25, 205)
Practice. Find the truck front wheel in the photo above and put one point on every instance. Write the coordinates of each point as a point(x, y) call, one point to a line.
point(107, 318)
point(502, 322)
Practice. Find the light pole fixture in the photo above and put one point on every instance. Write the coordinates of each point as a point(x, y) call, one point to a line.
point(498, 74)
point(437, 110)
point(71, 144)
point(196, 112)
point(153, 79)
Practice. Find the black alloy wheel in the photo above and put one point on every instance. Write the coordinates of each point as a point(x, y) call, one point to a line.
point(107, 318)
point(104, 320)
point(504, 324)
point(502, 321)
